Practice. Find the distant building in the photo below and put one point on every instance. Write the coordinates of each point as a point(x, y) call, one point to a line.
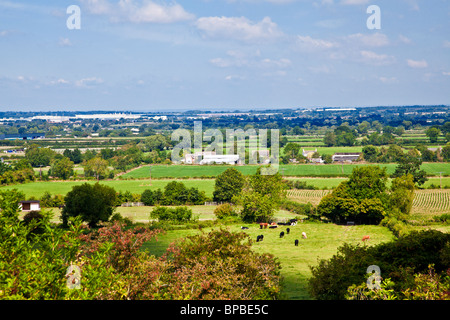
point(220, 159)
point(345, 157)
point(308, 153)
point(26, 136)
point(32, 205)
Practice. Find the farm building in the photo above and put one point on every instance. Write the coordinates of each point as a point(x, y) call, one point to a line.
point(27, 136)
point(308, 153)
point(32, 205)
point(221, 159)
point(345, 157)
point(197, 157)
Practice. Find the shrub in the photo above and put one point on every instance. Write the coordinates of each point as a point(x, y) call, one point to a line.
point(398, 260)
point(221, 265)
point(178, 214)
point(148, 198)
point(224, 211)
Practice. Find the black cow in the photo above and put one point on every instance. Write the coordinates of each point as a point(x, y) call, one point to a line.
point(244, 228)
point(296, 242)
point(259, 238)
point(281, 234)
point(288, 230)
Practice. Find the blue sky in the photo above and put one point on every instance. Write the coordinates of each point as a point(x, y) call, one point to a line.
point(222, 54)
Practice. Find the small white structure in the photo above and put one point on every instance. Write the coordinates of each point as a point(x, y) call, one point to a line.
point(220, 159)
point(32, 205)
point(345, 157)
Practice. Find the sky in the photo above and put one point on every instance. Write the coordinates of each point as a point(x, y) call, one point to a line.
point(158, 55)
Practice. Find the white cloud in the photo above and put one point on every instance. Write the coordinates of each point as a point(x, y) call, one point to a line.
point(417, 64)
point(404, 39)
point(369, 40)
point(388, 80)
point(86, 82)
point(238, 28)
point(240, 59)
point(446, 44)
point(145, 12)
point(310, 44)
point(373, 58)
point(446, 73)
point(354, 2)
point(65, 42)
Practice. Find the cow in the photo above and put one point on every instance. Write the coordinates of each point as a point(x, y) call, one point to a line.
point(296, 242)
point(288, 230)
point(273, 227)
point(293, 222)
point(263, 225)
point(259, 238)
point(304, 235)
point(281, 234)
point(365, 238)
point(244, 228)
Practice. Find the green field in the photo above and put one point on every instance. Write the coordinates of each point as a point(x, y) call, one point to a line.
point(37, 189)
point(300, 170)
point(322, 242)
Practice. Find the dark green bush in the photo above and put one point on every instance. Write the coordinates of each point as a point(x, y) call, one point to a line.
point(398, 260)
point(179, 214)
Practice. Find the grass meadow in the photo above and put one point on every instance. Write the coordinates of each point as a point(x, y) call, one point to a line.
point(300, 170)
point(322, 242)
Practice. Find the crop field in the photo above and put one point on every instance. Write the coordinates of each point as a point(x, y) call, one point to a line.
point(426, 204)
point(432, 201)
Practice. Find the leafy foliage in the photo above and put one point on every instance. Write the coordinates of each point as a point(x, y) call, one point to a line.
point(93, 203)
point(228, 184)
point(398, 260)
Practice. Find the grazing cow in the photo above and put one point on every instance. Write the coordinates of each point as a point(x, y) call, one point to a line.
point(304, 235)
point(296, 242)
point(365, 238)
point(288, 230)
point(281, 234)
point(244, 228)
point(263, 225)
point(259, 238)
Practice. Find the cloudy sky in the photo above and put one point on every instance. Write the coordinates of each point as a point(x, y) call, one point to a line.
point(155, 55)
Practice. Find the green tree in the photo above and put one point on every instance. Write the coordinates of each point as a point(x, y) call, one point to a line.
point(38, 156)
point(148, 198)
point(329, 139)
point(362, 198)
point(409, 164)
point(96, 167)
point(62, 168)
point(93, 203)
point(370, 153)
point(228, 184)
point(433, 134)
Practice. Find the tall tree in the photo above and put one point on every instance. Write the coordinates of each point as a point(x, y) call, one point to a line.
point(93, 203)
point(228, 184)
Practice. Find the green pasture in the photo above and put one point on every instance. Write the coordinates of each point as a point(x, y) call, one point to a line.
point(300, 170)
point(37, 189)
point(322, 243)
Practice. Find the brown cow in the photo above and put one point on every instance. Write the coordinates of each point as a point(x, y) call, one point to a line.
point(365, 238)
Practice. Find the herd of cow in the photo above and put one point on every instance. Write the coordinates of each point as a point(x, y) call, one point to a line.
point(274, 225)
point(291, 222)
